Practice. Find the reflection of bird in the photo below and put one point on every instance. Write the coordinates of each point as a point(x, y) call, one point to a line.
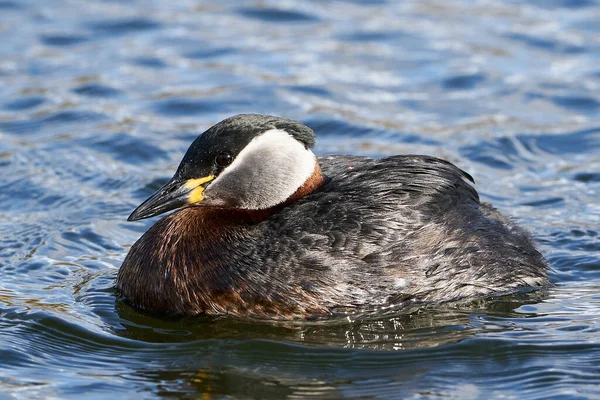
point(274, 232)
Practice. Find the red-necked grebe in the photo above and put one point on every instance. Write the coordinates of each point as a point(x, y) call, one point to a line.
point(269, 230)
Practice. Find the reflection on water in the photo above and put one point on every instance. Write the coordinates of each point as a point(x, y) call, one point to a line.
point(418, 327)
point(100, 100)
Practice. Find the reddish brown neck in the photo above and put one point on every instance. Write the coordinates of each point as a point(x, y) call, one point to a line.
point(310, 185)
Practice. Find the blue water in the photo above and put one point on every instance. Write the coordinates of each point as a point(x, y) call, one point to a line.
point(100, 99)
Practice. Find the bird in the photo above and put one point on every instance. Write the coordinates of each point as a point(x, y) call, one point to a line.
point(265, 229)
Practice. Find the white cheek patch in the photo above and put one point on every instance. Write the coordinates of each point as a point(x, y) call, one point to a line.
point(265, 173)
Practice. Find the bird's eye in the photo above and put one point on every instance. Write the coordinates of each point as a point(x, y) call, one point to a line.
point(223, 159)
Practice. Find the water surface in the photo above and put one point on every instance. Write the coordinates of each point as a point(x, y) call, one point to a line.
point(100, 99)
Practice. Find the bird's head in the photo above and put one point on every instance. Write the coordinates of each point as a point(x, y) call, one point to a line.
point(248, 162)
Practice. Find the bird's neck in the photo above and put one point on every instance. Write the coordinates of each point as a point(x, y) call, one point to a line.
point(182, 264)
point(315, 181)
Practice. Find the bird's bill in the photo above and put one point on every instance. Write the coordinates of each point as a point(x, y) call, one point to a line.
point(176, 193)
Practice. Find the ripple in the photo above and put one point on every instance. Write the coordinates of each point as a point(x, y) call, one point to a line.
point(84, 238)
point(325, 127)
point(63, 40)
point(585, 104)
point(24, 103)
point(238, 101)
point(582, 141)
point(575, 267)
point(546, 44)
point(127, 148)
point(114, 27)
point(463, 82)
point(332, 127)
point(508, 152)
point(187, 107)
point(576, 240)
point(372, 36)
point(18, 193)
point(59, 118)
point(150, 62)
point(276, 15)
point(586, 177)
point(96, 90)
point(10, 5)
point(500, 154)
point(315, 90)
point(89, 127)
point(546, 203)
point(565, 3)
point(207, 53)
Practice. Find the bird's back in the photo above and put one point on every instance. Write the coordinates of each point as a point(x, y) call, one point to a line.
point(391, 229)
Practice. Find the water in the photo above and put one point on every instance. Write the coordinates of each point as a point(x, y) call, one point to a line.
point(99, 100)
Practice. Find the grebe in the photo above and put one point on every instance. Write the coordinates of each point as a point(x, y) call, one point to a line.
point(269, 230)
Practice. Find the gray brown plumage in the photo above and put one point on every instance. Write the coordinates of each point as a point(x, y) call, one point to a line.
point(365, 233)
